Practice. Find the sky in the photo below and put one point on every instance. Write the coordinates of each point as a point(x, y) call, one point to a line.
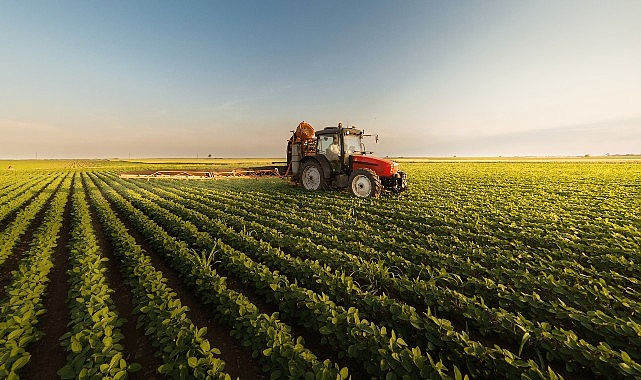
point(129, 79)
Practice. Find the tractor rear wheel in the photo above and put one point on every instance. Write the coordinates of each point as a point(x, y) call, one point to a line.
point(365, 183)
point(312, 177)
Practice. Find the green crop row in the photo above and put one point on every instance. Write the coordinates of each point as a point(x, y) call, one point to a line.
point(486, 270)
point(422, 245)
point(540, 337)
point(94, 335)
point(8, 184)
point(19, 194)
point(269, 338)
point(595, 324)
point(20, 312)
point(404, 319)
point(13, 232)
point(557, 343)
point(430, 240)
point(378, 351)
point(182, 346)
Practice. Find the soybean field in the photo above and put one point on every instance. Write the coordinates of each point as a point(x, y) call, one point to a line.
point(480, 270)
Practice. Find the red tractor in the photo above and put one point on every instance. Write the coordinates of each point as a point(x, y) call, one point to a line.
point(335, 157)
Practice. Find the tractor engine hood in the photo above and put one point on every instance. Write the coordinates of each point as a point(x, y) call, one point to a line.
point(381, 166)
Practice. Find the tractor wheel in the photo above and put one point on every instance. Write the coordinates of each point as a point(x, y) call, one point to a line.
point(312, 177)
point(365, 183)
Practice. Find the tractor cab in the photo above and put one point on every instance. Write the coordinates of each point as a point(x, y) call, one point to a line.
point(338, 144)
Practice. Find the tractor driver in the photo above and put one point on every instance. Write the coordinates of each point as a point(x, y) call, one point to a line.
point(333, 151)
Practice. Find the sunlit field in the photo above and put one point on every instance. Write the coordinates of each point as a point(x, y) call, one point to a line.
point(484, 268)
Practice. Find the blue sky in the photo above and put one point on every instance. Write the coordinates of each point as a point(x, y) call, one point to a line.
point(232, 78)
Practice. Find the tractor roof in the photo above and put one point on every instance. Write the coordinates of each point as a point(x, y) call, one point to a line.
point(334, 130)
point(328, 131)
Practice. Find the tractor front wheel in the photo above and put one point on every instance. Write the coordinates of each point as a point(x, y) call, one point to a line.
point(365, 183)
point(312, 177)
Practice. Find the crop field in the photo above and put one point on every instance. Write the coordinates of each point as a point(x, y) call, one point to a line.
point(488, 270)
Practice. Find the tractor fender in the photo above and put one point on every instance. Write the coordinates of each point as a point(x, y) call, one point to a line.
point(323, 161)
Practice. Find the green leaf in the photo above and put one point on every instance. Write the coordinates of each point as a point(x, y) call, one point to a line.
point(192, 361)
point(114, 360)
point(626, 368)
point(525, 338)
point(134, 367)
point(66, 372)
point(165, 368)
point(21, 362)
point(14, 334)
point(457, 374)
point(626, 358)
point(76, 347)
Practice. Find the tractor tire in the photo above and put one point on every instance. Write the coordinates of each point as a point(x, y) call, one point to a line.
point(312, 177)
point(365, 183)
